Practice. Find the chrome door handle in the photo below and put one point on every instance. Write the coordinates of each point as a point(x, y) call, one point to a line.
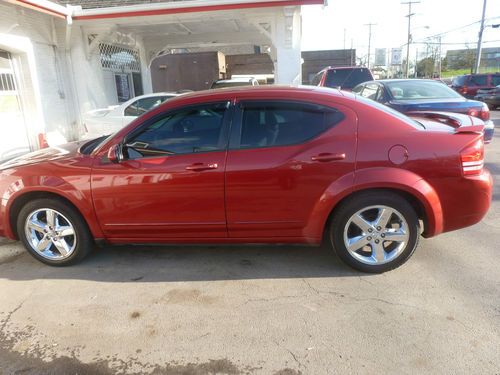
point(201, 167)
point(327, 156)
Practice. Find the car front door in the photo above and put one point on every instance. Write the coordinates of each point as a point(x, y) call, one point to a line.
point(170, 183)
point(283, 156)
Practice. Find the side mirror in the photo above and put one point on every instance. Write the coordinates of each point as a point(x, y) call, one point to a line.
point(115, 154)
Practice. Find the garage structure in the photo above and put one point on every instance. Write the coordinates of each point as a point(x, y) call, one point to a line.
point(68, 57)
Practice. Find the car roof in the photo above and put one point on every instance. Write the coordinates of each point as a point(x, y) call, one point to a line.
point(401, 80)
point(235, 80)
point(282, 91)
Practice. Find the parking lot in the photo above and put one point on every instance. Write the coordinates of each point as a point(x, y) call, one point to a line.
point(257, 310)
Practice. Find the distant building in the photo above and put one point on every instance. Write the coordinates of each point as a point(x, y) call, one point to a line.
point(460, 58)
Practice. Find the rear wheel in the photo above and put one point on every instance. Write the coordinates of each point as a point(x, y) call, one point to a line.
point(53, 232)
point(375, 232)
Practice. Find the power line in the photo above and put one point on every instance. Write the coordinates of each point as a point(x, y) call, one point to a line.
point(460, 27)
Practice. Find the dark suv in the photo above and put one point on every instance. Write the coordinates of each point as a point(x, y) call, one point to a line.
point(468, 84)
point(345, 78)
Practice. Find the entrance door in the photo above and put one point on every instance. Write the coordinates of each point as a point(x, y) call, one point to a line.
point(12, 124)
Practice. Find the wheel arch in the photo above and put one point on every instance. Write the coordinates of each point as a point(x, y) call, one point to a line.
point(20, 201)
point(422, 197)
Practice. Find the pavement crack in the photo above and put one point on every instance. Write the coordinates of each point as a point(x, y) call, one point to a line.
point(7, 318)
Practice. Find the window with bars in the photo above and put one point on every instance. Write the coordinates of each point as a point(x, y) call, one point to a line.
point(119, 58)
point(7, 82)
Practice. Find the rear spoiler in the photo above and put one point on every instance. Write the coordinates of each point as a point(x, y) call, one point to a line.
point(461, 123)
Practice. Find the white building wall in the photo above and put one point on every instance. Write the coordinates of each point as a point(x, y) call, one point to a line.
point(48, 86)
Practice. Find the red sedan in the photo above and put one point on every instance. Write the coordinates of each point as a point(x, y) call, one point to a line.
point(254, 165)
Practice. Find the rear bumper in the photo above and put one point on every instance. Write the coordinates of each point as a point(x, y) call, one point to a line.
point(466, 201)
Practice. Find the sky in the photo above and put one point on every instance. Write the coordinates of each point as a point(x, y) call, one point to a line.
point(323, 26)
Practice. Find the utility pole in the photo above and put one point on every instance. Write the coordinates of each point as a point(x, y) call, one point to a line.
point(344, 38)
point(409, 15)
point(479, 40)
point(369, 41)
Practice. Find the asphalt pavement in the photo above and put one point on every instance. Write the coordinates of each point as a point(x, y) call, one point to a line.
point(257, 310)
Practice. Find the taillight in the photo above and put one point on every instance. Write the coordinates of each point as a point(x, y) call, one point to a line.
point(472, 158)
point(483, 113)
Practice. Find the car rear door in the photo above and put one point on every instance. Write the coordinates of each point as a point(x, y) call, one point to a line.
point(283, 156)
point(170, 184)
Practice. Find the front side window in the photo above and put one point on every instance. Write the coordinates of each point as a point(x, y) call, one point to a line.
point(189, 130)
point(141, 106)
point(268, 124)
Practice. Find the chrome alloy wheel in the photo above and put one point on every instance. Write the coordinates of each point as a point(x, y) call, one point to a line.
point(376, 235)
point(50, 234)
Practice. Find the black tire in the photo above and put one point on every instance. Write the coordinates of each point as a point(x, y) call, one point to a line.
point(83, 237)
point(364, 200)
point(492, 107)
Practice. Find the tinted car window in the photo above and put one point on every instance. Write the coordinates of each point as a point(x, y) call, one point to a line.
point(347, 78)
point(479, 80)
point(267, 124)
point(495, 80)
point(141, 106)
point(418, 89)
point(189, 130)
point(459, 81)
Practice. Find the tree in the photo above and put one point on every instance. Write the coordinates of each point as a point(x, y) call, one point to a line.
point(425, 67)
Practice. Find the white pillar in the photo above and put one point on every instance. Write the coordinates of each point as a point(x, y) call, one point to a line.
point(286, 53)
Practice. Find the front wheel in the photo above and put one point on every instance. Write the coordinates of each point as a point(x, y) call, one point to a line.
point(53, 232)
point(375, 232)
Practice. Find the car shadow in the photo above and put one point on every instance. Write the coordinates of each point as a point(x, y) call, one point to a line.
point(134, 263)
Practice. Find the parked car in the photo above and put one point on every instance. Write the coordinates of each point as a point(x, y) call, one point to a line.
point(221, 83)
point(489, 96)
point(108, 120)
point(230, 166)
point(344, 78)
point(469, 84)
point(409, 95)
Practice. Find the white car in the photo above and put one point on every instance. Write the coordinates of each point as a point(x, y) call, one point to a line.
point(109, 120)
point(221, 83)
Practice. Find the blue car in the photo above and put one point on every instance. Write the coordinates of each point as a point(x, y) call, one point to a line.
point(412, 95)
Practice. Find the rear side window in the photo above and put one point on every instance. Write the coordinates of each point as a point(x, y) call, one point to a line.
point(478, 80)
point(268, 124)
point(370, 91)
point(347, 78)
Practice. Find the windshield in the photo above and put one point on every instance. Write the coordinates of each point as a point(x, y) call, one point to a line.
point(407, 120)
point(420, 90)
point(91, 145)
